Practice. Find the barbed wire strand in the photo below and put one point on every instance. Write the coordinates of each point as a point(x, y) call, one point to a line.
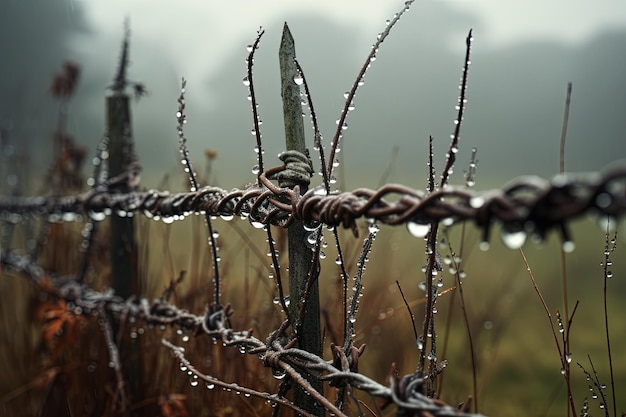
point(529, 203)
point(214, 323)
point(179, 353)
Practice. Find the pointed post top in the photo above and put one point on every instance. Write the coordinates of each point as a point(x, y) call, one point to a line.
point(286, 33)
point(290, 92)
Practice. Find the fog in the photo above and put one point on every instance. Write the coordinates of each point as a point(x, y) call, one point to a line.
point(516, 94)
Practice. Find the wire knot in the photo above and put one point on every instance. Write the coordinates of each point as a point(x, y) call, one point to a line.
point(298, 170)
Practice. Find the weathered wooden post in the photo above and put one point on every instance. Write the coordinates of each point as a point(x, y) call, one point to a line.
point(300, 255)
point(123, 253)
point(122, 240)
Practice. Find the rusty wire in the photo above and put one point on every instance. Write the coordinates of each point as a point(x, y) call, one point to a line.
point(404, 392)
point(527, 203)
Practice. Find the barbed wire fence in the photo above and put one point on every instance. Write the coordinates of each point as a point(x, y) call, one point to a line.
point(281, 196)
point(528, 204)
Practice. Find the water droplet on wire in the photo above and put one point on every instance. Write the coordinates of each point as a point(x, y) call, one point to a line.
point(513, 240)
point(418, 230)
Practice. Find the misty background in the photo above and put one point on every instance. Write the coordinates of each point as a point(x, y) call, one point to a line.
point(522, 58)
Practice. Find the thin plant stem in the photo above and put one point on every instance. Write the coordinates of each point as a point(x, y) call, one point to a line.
point(470, 339)
point(194, 186)
point(249, 81)
point(411, 315)
point(277, 276)
point(563, 253)
point(607, 253)
point(564, 128)
point(431, 247)
point(549, 315)
point(454, 144)
point(359, 82)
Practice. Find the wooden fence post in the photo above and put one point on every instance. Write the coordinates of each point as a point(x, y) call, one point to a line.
point(123, 262)
point(300, 255)
point(122, 240)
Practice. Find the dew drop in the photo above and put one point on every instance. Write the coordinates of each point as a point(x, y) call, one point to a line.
point(311, 226)
point(256, 170)
point(257, 225)
point(448, 221)
point(568, 246)
point(210, 385)
point(278, 374)
point(513, 240)
point(246, 81)
point(97, 216)
point(418, 230)
point(477, 202)
point(298, 79)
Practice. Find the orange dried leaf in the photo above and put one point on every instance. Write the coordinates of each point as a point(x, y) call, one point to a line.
point(172, 405)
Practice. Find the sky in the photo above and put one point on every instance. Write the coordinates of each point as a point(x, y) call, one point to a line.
point(524, 54)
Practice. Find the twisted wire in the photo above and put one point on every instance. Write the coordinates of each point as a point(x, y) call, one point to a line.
point(214, 323)
point(526, 202)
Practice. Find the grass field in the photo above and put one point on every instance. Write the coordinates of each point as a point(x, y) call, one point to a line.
point(517, 361)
